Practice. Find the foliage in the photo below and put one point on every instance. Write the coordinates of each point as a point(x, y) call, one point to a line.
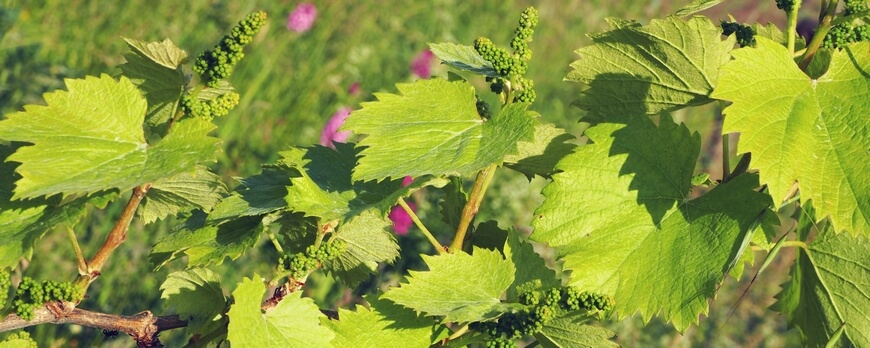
point(632, 223)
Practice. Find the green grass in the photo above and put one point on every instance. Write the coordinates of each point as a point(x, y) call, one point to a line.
point(290, 84)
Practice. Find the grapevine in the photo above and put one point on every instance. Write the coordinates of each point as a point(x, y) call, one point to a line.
point(211, 108)
point(744, 33)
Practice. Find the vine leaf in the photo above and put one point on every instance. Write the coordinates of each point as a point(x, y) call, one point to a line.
point(90, 138)
point(207, 244)
point(696, 6)
point(197, 297)
point(256, 195)
point(813, 131)
point(620, 217)
point(828, 285)
point(468, 287)
point(570, 331)
point(462, 57)
point(180, 193)
point(294, 322)
point(323, 187)
point(156, 68)
point(539, 157)
point(664, 66)
point(531, 273)
point(23, 222)
point(384, 325)
point(433, 128)
point(368, 242)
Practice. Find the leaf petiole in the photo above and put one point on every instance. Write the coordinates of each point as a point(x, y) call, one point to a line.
point(484, 177)
point(422, 227)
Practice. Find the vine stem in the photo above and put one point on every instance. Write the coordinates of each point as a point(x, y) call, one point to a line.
point(80, 258)
point(275, 242)
point(476, 197)
point(791, 27)
point(824, 26)
point(143, 327)
point(118, 233)
point(422, 227)
point(726, 156)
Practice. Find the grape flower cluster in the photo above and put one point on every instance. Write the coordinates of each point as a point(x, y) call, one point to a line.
point(5, 284)
point(299, 265)
point(32, 294)
point(540, 307)
point(19, 339)
point(217, 64)
point(845, 33)
point(510, 67)
point(744, 33)
point(208, 109)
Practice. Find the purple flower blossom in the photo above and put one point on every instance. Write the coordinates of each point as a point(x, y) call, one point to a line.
point(330, 132)
point(302, 17)
point(401, 220)
point(355, 89)
point(422, 64)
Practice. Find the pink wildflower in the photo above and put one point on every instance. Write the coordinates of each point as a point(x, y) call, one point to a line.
point(422, 64)
point(302, 17)
point(330, 132)
point(354, 89)
point(401, 220)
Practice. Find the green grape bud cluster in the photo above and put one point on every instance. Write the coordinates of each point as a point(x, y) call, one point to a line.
point(744, 33)
point(573, 300)
point(510, 67)
point(218, 63)
point(32, 294)
point(211, 108)
point(500, 342)
point(845, 33)
point(785, 5)
point(20, 339)
point(5, 284)
point(299, 265)
point(541, 306)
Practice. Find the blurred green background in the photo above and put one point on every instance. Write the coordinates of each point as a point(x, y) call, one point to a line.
point(291, 83)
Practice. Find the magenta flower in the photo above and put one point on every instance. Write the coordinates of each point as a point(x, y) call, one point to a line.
point(355, 89)
point(401, 220)
point(330, 132)
point(422, 64)
point(302, 17)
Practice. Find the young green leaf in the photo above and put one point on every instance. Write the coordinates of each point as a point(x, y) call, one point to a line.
point(324, 187)
point(571, 331)
point(433, 128)
point(207, 244)
point(294, 322)
point(532, 273)
point(666, 65)
point(539, 157)
point(90, 138)
point(386, 325)
point(197, 297)
point(620, 217)
point(468, 287)
point(182, 192)
point(368, 242)
point(256, 195)
point(826, 287)
point(462, 57)
point(156, 68)
point(813, 130)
